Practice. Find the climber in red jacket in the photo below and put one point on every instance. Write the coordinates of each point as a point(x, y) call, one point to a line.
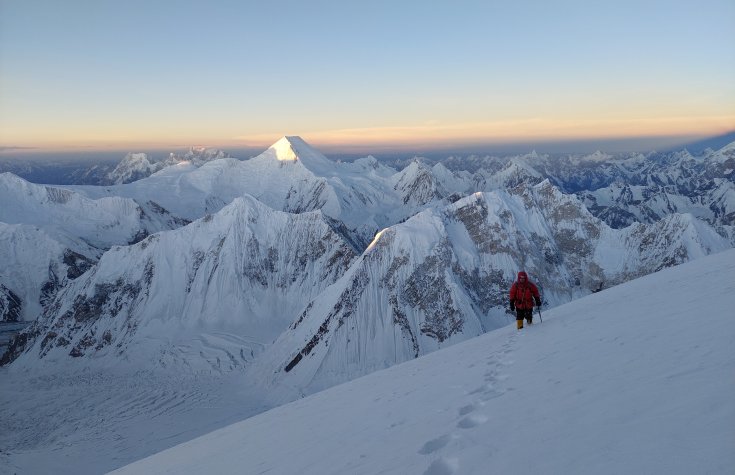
point(523, 294)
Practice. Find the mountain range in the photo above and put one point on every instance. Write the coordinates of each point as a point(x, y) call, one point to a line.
point(416, 260)
point(289, 273)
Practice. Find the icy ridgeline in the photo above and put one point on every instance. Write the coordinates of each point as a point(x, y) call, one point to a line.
point(50, 236)
point(290, 176)
point(443, 276)
point(624, 188)
point(136, 166)
point(437, 279)
point(634, 379)
point(360, 198)
point(646, 190)
point(209, 295)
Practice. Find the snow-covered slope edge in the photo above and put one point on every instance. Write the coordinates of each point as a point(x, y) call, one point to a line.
point(633, 379)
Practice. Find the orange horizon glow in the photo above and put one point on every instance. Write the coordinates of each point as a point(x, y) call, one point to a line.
point(433, 134)
point(542, 74)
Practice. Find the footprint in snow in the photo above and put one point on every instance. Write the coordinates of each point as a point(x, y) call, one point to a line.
point(490, 395)
point(463, 411)
point(435, 444)
point(443, 466)
point(484, 389)
point(472, 420)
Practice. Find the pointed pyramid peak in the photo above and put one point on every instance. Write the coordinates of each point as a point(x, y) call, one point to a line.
point(286, 147)
point(292, 148)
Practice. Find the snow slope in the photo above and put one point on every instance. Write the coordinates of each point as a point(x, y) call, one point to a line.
point(633, 379)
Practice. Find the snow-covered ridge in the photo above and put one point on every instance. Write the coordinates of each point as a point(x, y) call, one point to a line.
point(595, 388)
point(290, 176)
point(136, 166)
point(100, 222)
point(51, 235)
point(364, 197)
point(293, 176)
point(246, 270)
point(360, 198)
point(443, 275)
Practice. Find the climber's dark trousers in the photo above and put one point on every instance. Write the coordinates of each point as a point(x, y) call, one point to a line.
point(524, 313)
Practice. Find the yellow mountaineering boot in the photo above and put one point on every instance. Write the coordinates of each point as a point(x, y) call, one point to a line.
point(519, 324)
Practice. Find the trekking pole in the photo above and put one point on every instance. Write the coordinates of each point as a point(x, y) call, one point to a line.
point(539, 314)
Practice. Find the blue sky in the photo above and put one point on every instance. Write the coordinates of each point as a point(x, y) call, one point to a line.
point(374, 74)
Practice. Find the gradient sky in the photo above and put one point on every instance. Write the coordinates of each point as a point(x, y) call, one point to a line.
point(373, 74)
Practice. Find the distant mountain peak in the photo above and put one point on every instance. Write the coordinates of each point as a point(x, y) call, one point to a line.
point(292, 147)
point(295, 149)
point(286, 148)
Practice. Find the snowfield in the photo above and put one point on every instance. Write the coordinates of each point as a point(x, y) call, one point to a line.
point(634, 379)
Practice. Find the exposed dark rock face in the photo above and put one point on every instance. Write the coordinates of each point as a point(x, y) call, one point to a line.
point(76, 264)
point(10, 305)
point(19, 343)
point(298, 201)
point(58, 195)
point(427, 289)
point(352, 236)
point(401, 319)
point(418, 186)
point(107, 301)
point(339, 314)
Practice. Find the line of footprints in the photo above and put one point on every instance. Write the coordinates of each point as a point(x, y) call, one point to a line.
point(469, 416)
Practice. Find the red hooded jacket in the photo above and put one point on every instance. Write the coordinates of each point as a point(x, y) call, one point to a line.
point(523, 293)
